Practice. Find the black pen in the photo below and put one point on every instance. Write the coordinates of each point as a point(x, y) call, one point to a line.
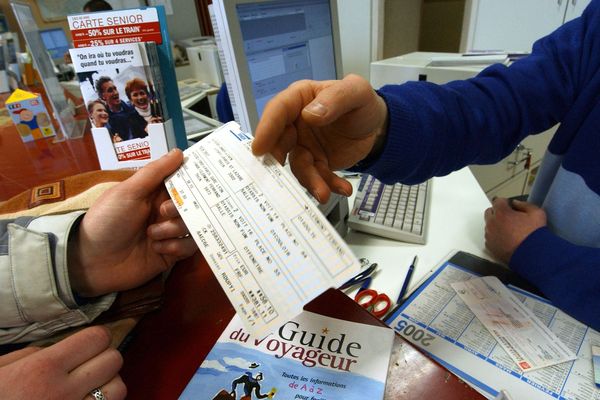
point(407, 279)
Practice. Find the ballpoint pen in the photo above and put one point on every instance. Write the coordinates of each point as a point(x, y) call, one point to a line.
point(596, 364)
point(407, 280)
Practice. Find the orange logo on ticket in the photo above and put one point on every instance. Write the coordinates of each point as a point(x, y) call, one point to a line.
point(176, 197)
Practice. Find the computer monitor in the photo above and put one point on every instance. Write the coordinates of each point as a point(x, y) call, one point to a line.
point(265, 45)
point(56, 42)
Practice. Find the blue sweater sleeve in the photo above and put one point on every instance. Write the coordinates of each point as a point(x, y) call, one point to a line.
point(563, 272)
point(436, 129)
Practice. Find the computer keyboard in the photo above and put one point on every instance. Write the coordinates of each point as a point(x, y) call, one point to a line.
point(399, 212)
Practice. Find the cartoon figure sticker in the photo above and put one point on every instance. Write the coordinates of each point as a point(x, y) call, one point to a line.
point(29, 115)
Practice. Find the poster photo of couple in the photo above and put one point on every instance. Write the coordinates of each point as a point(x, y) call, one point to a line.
point(118, 86)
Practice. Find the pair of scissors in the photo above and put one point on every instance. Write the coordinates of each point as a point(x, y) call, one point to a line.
point(376, 303)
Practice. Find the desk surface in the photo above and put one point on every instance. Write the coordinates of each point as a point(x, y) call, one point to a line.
point(26, 165)
point(455, 223)
point(168, 345)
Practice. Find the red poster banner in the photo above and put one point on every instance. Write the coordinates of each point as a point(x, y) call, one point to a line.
point(120, 27)
point(147, 32)
point(139, 154)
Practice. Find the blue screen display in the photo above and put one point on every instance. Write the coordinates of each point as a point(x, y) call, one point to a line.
point(55, 41)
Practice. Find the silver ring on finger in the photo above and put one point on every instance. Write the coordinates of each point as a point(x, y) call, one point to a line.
point(97, 394)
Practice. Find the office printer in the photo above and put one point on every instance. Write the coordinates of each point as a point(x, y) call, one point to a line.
point(417, 67)
point(195, 41)
point(203, 55)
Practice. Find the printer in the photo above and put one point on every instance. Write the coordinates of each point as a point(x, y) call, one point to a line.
point(195, 41)
point(203, 55)
point(418, 66)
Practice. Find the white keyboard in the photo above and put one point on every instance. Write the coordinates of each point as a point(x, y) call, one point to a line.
point(399, 212)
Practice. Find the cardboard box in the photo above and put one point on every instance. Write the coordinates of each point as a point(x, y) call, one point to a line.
point(29, 115)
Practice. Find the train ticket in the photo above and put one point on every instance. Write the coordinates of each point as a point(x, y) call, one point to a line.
point(265, 240)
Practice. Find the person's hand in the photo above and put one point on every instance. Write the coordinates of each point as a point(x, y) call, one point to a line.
point(506, 227)
point(131, 233)
point(67, 370)
point(323, 126)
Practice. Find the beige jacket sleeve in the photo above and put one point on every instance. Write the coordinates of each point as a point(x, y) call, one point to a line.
point(36, 299)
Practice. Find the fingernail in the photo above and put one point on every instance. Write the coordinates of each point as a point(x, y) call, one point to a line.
point(316, 196)
point(316, 108)
point(344, 192)
point(153, 231)
point(515, 203)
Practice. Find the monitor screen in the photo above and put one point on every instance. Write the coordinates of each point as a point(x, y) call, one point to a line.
point(286, 41)
point(273, 44)
point(56, 42)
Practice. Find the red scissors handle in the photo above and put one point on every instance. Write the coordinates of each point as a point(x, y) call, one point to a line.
point(376, 303)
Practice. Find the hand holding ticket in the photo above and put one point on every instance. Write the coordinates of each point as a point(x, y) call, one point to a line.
point(267, 243)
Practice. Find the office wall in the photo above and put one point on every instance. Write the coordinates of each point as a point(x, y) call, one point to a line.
point(408, 26)
point(184, 22)
point(441, 25)
point(355, 22)
point(401, 27)
point(422, 25)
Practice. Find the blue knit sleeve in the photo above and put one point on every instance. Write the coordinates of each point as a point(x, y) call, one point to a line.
point(567, 274)
point(436, 129)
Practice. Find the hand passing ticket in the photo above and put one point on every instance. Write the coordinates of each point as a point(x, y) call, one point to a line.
point(523, 336)
point(267, 243)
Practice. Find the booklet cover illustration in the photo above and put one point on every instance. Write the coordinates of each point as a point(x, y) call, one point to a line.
point(311, 357)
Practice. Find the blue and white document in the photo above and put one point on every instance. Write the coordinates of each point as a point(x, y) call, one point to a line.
point(596, 364)
point(524, 337)
point(437, 320)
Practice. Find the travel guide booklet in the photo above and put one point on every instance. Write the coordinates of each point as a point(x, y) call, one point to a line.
point(310, 357)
